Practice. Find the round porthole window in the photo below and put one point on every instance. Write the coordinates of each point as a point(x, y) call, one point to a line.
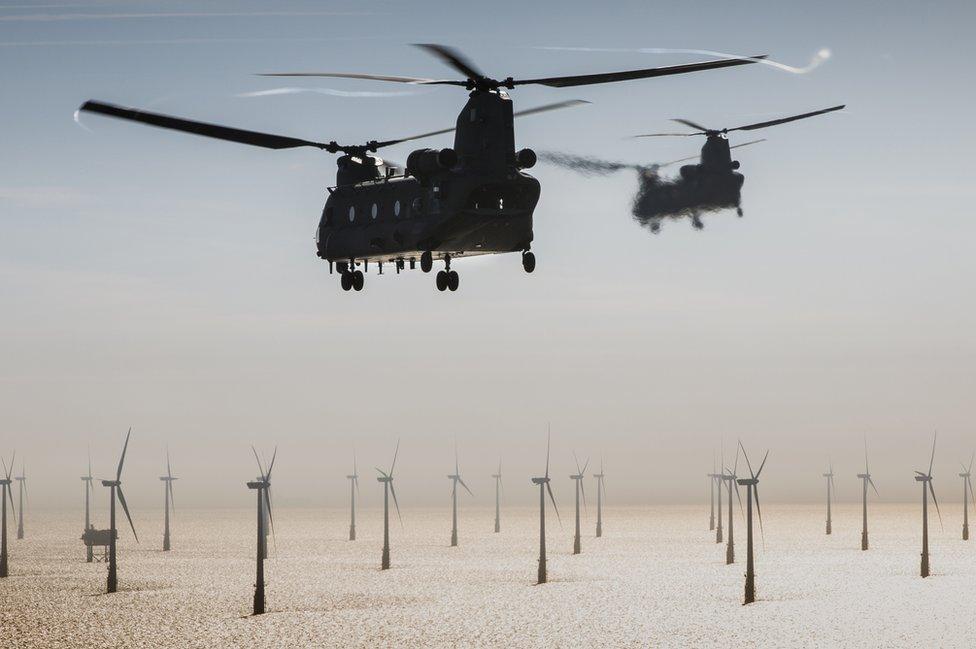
point(352, 214)
point(376, 210)
point(396, 208)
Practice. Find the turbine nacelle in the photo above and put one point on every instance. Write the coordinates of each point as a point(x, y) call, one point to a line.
point(258, 484)
point(540, 481)
point(747, 481)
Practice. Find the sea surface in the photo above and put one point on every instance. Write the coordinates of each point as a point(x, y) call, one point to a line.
point(656, 579)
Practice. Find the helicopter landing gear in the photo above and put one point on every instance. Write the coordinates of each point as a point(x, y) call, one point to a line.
point(697, 223)
point(655, 228)
point(738, 211)
point(352, 279)
point(528, 261)
point(426, 261)
point(447, 280)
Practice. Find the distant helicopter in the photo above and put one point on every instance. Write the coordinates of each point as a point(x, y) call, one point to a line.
point(712, 184)
point(473, 199)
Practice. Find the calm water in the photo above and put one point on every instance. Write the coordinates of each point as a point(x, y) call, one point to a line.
point(656, 579)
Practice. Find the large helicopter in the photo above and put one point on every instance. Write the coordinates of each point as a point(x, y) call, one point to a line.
point(710, 185)
point(473, 199)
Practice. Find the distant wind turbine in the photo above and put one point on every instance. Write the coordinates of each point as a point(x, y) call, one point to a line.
point(752, 493)
point(455, 479)
point(498, 497)
point(169, 503)
point(830, 486)
point(262, 487)
point(115, 490)
point(967, 490)
point(543, 488)
point(865, 481)
point(353, 490)
point(926, 480)
point(578, 478)
point(87, 479)
point(22, 493)
point(387, 480)
point(5, 494)
point(731, 480)
point(599, 500)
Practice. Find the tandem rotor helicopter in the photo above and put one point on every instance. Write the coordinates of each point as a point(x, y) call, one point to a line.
point(473, 199)
point(712, 184)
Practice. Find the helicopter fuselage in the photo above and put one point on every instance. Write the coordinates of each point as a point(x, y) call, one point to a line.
point(473, 199)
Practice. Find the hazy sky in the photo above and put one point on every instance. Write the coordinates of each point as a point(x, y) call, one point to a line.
point(170, 283)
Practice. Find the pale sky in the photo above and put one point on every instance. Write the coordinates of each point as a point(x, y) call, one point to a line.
point(170, 283)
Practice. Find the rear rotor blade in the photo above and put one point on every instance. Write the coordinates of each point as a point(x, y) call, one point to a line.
point(576, 459)
point(739, 146)
point(89, 461)
point(691, 124)
point(125, 508)
point(254, 138)
point(608, 77)
point(584, 165)
point(368, 77)
point(7, 471)
point(452, 58)
point(784, 120)
point(666, 135)
point(118, 473)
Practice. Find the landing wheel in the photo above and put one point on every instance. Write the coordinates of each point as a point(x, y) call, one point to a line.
point(698, 225)
point(346, 280)
point(528, 261)
point(453, 280)
point(655, 228)
point(426, 261)
point(442, 280)
point(738, 211)
point(358, 280)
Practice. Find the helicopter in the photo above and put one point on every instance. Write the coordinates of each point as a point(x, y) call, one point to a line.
point(710, 185)
point(472, 199)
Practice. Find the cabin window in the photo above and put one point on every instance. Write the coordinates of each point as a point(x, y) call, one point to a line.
point(376, 210)
point(352, 213)
point(396, 208)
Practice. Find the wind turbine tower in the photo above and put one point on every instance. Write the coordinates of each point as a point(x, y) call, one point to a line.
point(387, 480)
point(115, 487)
point(967, 490)
point(498, 497)
point(455, 479)
point(260, 486)
point(865, 481)
point(599, 500)
point(926, 480)
point(169, 503)
point(353, 490)
point(87, 479)
point(544, 486)
point(5, 494)
point(752, 493)
point(22, 492)
point(830, 486)
point(578, 478)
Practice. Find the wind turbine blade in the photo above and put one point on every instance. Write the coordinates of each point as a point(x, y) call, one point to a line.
point(10, 493)
point(548, 439)
point(355, 481)
point(118, 473)
point(762, 465)
point(867, 471)
point(395, 503)
point(125, 508)
point(267, 503)
point(969, 469)
point(932, 490)
point(583, 491)
point(89, 461)
point(746, 456)
point(738, 495)
point(6, 473)
point(755, 492)
point(271, 466)
point(381, 472)
point(871, 482)
point(396, 452)
point(457, 470)
point(258, 460)
point(932, 461)
point(970, 483)
point(465, 487)
point(553, 499)
point(585, 464)
point(172, 500)
point(169, 471)
point(735, 465)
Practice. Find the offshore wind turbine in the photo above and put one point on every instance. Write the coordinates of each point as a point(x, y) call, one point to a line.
point(353, 490)
point(115, 490)
point(599, 500)
point(455, 479)
point(543, 488)
point(752, 493)
point(22, 492)
point(730, 478)
point(262, 486)
point(87, 479)
point(830, 486)
point(498, 497)
point(387, 480)
point(719, 481)
point(967, 490)
point(5, 494)
point(865, 481)
point(169, 502)
point(926, 480)
point(578, 478)
point(713, 481)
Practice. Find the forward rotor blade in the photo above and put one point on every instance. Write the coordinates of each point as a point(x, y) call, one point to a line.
point(932, 460)
point(584, 165)
point(118, 473)
point(396, 452)
point(125, 508)
point(735, 465)
point(395, 503)
point(665, 135)
point(784, 120)
point(739, 146)
point(258, 459)
point(585, 465)
point(932, 491)
point(738, 495)
point(608, 77)
point(465, 487)
point(762, 465)
point(691, 124)
point(452, 58)
point(553, 499)
point(253, 138)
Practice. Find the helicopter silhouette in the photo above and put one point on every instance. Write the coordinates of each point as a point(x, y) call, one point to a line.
point(711, 185)
point(472, 199)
